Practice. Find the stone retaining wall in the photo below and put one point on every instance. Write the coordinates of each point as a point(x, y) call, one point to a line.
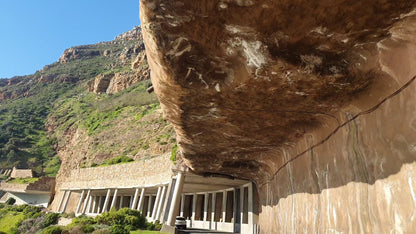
point(21, 173)
point(146, 172)
point(140, 173)
point(12, 187)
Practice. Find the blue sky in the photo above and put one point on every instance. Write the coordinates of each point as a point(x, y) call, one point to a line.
point(34, 33)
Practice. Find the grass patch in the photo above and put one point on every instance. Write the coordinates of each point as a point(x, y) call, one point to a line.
point(23, 180)
point(117, 160)
point(174, 152)
point(10, 221)
point(147, 232)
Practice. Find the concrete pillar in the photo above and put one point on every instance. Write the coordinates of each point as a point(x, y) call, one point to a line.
point(121, 202)
point(241, 205)
point(174, 206)
point(224, 205)
point(99, 208)
point(213, 203)
point(205, 207)
point(194, 198)
point(80, 202)
point(134, 203)
point(107, 198)
point(250, 208)
point(236, 210)
point(156, 205)
point(161, 200)
point(66, 201)
point(141, 201)
point(168, 198)
point(149, 206)
point(182, 205)
point(94, 204)
point(89, 204)
point(131, 200)
point(60, 201)
point(114, 199)
point(87, 198)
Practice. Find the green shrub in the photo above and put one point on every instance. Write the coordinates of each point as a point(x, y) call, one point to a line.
point(51, 218)
point(117, 160)
point(150, 226)
point(88, 228)
point(82, 220)
point(123, 217)
point(52, 230)
point(118, 229)
point(10, 201)
point(173, 154)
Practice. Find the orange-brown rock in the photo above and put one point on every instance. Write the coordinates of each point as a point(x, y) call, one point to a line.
point(242, 79)
point(312, 100)
point(115, 82)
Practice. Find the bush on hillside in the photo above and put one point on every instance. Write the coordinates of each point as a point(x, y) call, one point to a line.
point(52, 230)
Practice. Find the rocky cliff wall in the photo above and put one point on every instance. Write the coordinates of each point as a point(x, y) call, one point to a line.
point(312, 100)
point(361, 180)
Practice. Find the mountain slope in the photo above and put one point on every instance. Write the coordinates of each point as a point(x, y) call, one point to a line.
point(90, 106)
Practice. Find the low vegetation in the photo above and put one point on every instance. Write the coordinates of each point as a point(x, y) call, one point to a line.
point(28, 219)
point(114, 161)
point(23, 180)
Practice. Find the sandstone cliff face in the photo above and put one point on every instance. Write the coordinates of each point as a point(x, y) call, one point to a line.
point(302, 97)
point(112, 83)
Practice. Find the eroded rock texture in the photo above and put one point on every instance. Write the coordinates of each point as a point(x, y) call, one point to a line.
point(313, 100)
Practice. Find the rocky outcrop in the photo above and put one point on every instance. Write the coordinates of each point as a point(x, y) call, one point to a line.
point(134, 34)
point(112, 83)
point(100, 83)
point(242, 79)
point(74, 53)
point(302, 97)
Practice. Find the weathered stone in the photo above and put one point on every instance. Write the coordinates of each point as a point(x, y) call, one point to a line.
point(313, 100)
point(100, 83)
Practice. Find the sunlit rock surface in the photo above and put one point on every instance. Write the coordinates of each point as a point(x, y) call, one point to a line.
point(313, 100)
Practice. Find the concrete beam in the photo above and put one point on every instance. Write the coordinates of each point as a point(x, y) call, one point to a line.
point(174, 206)
point(141, 201)
point(121, 202)
point(114, 199)
point(62, 199)
point(205, 207)
point(214, 201)
point(87, 198)
point(94, 204)
point(194, 200)
point(107, 198)
point(134, 203)
point(168, 199)
point(224, 205)
point(149, 206)
point(80, 202)
point(161, 200)
point(156, 205)
point(182, 205)
point(100, 199)
point(66, 201)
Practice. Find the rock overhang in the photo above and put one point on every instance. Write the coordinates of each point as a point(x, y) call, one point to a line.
point(240, 79)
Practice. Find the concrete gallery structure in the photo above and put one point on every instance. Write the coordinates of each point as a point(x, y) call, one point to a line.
point(161, 192)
